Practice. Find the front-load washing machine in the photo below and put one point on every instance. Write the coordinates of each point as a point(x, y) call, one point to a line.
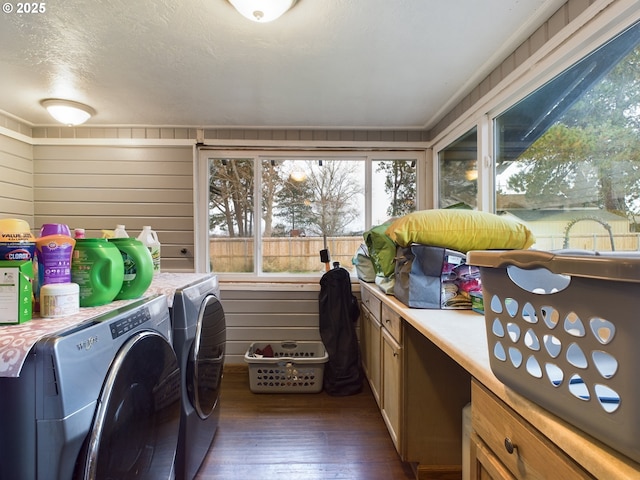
point(99, 401)
point(199, 337)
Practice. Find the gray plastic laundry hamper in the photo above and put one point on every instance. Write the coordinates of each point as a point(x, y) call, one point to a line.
point(563, 330)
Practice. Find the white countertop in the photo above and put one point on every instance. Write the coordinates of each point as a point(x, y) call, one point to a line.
point(461, 334)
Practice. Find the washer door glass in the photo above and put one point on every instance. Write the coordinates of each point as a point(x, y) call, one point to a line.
point(206, 358)
point(135, 429)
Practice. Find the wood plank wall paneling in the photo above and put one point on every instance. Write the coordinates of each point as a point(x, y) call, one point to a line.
point(16, 180)
point(133, 133)
point(98, 187)
point(211, 134)
point(11, 123)
point(269, 316)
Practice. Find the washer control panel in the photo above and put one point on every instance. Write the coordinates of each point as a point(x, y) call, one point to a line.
point(129, 322)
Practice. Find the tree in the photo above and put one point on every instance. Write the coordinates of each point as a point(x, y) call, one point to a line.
point(294, 199)
point(591, 156)
point(271, 182)
point(231, 196)
point(400, 185)
point(334, 191)
point(549, 173)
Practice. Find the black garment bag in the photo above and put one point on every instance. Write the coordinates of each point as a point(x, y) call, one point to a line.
point(339, 312)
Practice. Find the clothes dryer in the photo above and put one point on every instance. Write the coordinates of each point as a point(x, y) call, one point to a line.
point(97, 401)
point(199, 338)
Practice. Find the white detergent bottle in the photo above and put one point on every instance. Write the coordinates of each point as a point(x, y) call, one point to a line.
point(120, 232)
point(149, 239)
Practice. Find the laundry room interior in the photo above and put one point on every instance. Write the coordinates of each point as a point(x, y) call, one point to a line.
point(307, 240)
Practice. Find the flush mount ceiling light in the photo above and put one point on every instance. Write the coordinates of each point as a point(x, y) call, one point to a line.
point(262, 11)
point(68, 112)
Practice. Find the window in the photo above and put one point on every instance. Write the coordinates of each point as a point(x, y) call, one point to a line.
point(458, 172)
point(393, 189)
point(567, 156)
point(231, 216)
point(272, 213)
point(308, 206)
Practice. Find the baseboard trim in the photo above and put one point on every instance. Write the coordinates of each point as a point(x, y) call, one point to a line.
point(439, 472)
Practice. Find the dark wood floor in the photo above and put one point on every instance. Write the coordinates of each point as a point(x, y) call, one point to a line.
point(309, 436)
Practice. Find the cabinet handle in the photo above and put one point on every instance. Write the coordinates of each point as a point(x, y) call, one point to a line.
point(509, 445)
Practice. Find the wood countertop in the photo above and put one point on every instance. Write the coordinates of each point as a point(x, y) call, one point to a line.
point(461, 334)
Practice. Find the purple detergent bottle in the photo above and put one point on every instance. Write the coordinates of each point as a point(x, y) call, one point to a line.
point(54, 248)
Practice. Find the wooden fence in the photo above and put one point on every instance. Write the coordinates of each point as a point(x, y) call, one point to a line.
point(302, 254)
point(281, 254)
point(601, 242)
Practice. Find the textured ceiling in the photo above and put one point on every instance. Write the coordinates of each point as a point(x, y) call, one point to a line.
point(325, 64)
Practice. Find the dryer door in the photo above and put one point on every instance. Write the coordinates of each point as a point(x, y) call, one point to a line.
point(135, 429)
point(206, 358)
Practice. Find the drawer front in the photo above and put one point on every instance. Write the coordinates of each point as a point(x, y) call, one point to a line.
point(516, 443)
point(486, 465)
point(392, 322)
point(372, 302)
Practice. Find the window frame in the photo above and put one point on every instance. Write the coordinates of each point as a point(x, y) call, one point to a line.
point(201, 179)
point(576, 41)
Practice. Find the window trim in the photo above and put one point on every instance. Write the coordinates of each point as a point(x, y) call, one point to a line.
point(201, 177)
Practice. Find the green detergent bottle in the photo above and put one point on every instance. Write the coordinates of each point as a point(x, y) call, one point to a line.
point(138, 267)
point(97, 267)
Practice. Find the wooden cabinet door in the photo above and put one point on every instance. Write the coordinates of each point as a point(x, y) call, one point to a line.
point(392, 386)
point(371, 352)
point(365, 338)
